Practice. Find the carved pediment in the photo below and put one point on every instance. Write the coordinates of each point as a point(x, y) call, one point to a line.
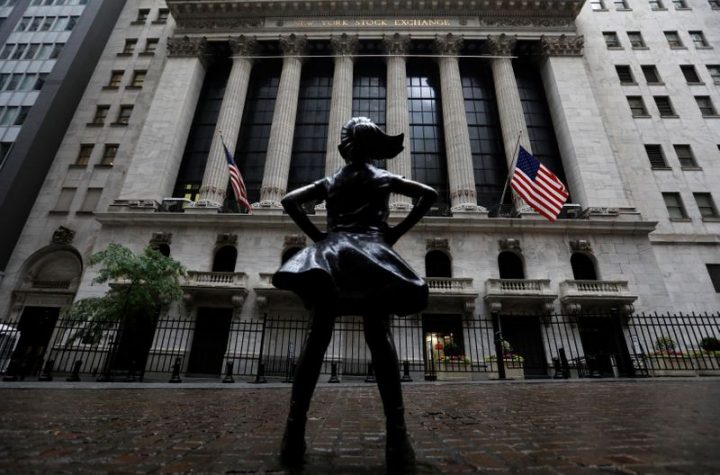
point(63, 235)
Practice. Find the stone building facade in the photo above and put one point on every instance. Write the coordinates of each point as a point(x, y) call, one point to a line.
point(467, 82)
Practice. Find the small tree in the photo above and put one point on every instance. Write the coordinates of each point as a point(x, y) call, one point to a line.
point(140, 285)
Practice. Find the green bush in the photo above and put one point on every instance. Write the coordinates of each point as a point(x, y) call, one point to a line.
point(710, 344)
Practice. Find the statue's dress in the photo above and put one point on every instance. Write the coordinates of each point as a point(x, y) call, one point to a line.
point(354, 270)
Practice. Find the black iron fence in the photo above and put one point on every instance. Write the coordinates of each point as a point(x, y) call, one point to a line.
point(430, 347)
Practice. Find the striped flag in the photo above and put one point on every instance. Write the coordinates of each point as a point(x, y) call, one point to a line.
point(538, 186)
point(238, 185)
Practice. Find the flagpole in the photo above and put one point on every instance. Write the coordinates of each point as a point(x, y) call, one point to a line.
point(512, 169)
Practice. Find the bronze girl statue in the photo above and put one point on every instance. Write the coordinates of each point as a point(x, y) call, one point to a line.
point(352, 270)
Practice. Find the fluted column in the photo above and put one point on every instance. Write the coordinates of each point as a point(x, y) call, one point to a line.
point(461, 175)
point(398, 120)
point(215, 179)
point(153, 170)
point(277, 163)
point(510, 110)
point(344, 47)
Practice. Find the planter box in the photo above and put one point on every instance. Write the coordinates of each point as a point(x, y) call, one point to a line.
point(513, 370)
point(707, 365)
point(669, 365)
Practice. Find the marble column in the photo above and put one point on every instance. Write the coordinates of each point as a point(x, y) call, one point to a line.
point(398, 120)
point(215, 179)
point(461, 175)
point(344, 46)
point(510, 110)
point(282, 131)
point(155, 164)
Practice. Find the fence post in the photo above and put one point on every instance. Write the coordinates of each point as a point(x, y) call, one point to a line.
point(333, 374)
point(46, 374)
point(564, 363)
point(370, 377)
point(75, 375)
point(175, 378)
point(406, 372)
point(499, 352)
point(260, 376)
point(229, 372)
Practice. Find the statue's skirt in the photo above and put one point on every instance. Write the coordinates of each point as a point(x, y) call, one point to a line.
point(354, 273)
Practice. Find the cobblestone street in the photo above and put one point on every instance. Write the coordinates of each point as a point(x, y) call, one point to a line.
point(602, 426)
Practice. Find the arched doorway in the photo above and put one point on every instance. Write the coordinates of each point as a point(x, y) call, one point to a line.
point(225, 258)
point(510, 266)
point(438, 264)
point(583, 267)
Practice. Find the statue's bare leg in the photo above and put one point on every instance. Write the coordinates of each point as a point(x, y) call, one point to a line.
point(400, 457)
point(292, 450)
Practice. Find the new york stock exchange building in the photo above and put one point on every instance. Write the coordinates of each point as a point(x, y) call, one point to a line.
point(606, 290)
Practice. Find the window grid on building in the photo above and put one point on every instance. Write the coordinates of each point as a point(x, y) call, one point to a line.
point(685, 155)
point(625, 74)
point(611, 39)
point(101, 113)
point(369, 93)
point(637, 106)
point(91, 200)
point(698, 39)
point(714, 272)
point(109, 153)
point(636, 39)
point(656, 5)
point(84, 154)
point(651, 74)
point(674, 205)
point(656, 156)
point(690, 74)
point(115, 79)
point(129, 46)
point(62, 205)
point(124, 113)
point(664, 106)
point(597, 4)
point(138, 79)
point(714, 71)
point(673, 39)
point(706, 205)
point(706, 106)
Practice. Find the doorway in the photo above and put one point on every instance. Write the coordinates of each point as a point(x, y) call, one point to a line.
point(212, 330)
point(135, 338)
point(524, 335)
point(606, 353)
point(444, 348)
point(36, 327)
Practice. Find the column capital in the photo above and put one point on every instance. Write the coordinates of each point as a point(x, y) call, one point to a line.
point(242, 45)
point(186, 47)
point(344, 45)
point(501, 45)
point(293, 45)
point(562, 45)
point(449, 44)
point(396, 44)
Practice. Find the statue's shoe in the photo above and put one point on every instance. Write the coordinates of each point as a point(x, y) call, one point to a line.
point(399, 456)
point(293, 447)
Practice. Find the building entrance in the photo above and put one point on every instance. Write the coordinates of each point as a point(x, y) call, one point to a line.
point(524, 336)
point(212, 329)
point(606, 352)
point(134, 341)
point(35, 327)
point(443, 344)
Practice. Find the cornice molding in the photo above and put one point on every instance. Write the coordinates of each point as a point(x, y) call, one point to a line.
point(501, 45)
point(293, 45)
point(448, 44)
point(396, 44)
point(562, 45)
point(243, 45)
point(186, 47)
point(344, 45)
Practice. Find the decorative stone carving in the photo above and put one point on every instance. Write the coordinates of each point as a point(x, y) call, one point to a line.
point(580, 245)
point(161, 238)
point(437, 243)
point(344, 45)
point(243, 45)
point(63, 235)
point(186, 47)
point(527, 22)
point(448, 45)
point(295, 240)
point(509, 245)
point(293, 45)
point(396, 44)
point(226, 239)
point(237, 300)
point(562, 45)
point(501, 45)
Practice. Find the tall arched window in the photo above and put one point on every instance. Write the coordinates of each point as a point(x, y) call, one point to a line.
point(583, 267)
point(438, 264)
point(225, 258)
point(510, 265)
point(288, 253)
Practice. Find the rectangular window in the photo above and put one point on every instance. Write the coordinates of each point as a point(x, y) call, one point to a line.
point(698, 39)
point(23, 23)
point(637, 106)
point(714, 71)
point(674, 205)
point(83, 157)
point(150, 46)
point(664, 106)
point(656, 156)
point(61, 23)
point(5, 148)
point(7, 49)
point(656, 5)
point(45, 50)
point(620, 4)
point(19, 51)
point(115, 79)
point(714, 271)
point(625, 74)
point(27, 83)
point(47, 23)
point(109, 154)
point(8, 116)
point(597, 4)
point(71, 23)
point(142, 16)
point(685, 156)
point(22, 115)
point(101, 113)
point(42, 77)
point(129, 47)
point(691, 75)
point(162, 16)
point(56, 50)
point(636, 39)
point(706, 205)
point(3, 81)
point(707, 109)
point(65, 200)
point(123, 117)
point(680, 4)
point(92, 197)
point(14, 81)
point(673, 39)
point(138, 79)
point(32, 51)
point(611, 39)
point(714, 4)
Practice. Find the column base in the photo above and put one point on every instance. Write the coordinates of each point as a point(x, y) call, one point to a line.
point(267, 208)
point(469, 210)
point(136, 206)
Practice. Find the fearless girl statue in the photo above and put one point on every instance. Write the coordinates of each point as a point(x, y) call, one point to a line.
point(352, 270)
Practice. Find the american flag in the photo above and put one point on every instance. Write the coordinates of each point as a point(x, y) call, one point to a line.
point(538, 186)
point(238, 185)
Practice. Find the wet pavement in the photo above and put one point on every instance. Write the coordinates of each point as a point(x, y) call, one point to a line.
point(573, 427)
